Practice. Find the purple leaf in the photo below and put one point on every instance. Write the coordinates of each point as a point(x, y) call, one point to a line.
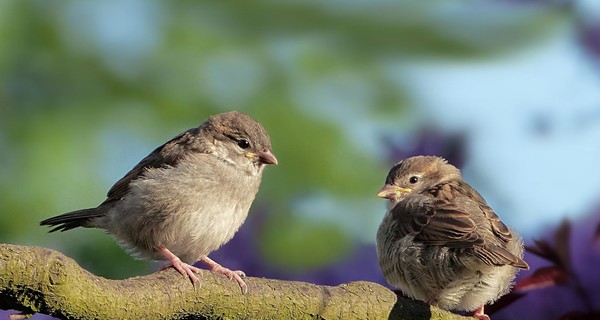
point(543, 249)
point(562, 244)
point(543, 277)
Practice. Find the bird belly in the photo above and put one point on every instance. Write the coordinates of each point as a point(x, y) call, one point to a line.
point(189, 217)
point(205, 231)
point(401, 263)
point(483, 287)
point(194, 236)
point(443, 280)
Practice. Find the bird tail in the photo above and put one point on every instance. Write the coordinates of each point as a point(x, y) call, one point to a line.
point(73, 219)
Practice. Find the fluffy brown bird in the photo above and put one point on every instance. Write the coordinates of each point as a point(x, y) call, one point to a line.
point(186, 198)
point(440, 242)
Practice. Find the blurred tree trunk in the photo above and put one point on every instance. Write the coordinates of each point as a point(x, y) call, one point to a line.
point(35, 279)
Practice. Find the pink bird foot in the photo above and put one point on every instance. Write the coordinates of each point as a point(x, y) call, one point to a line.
point(237, 274)
point(182, 267)
point(480, 314)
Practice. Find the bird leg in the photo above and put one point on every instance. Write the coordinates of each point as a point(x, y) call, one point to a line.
point(237, 274)
point(182, 267)
point(479, 314)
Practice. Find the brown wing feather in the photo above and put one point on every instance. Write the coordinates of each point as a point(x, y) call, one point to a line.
point(493, 251)
point(496, 255)
point(451, 224)
point(167, 154)
point(435, 223)
point(498, 227)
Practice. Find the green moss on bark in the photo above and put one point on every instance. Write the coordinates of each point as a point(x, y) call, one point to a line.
point(34, 279)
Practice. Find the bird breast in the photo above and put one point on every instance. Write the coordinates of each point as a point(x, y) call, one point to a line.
point(191, 209)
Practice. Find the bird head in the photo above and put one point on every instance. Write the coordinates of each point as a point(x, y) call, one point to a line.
point(415, 175)
point(240, 140)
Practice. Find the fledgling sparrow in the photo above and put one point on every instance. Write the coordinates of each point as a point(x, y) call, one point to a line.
point(186, 198)
point(440, 242)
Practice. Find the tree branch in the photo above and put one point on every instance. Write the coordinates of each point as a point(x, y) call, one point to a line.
point(35, 279)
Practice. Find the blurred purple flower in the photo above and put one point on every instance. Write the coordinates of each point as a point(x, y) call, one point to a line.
point(589, 35)
point(430, 142)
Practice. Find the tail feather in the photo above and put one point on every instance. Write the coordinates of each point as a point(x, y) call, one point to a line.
point(73, 219)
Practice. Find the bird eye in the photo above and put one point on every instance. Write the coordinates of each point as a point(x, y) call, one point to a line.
point(414, 179)
point(243, 143)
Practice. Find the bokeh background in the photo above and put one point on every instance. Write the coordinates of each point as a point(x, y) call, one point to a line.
point(507, 90)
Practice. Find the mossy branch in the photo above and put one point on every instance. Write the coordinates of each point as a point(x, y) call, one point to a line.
point(35, 279)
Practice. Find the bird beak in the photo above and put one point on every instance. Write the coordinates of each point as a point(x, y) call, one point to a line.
point(392, 192)
point(265, 156)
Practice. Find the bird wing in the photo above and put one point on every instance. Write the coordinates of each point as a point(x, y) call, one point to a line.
point(498, 227)
point(435, 222)
point(450, 224)
point(167, 154)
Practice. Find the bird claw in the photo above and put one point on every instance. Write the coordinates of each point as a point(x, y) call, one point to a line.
point(480, 314)
point(182, 267)
point(189, 270)
point(230, 274)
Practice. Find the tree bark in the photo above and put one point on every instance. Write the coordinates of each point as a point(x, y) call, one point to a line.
point(35, 279)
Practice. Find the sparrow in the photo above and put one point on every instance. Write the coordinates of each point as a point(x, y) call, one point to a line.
point(186, 198)
point(440, 242)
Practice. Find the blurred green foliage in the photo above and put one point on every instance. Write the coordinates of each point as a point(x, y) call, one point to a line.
point(88, 88)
